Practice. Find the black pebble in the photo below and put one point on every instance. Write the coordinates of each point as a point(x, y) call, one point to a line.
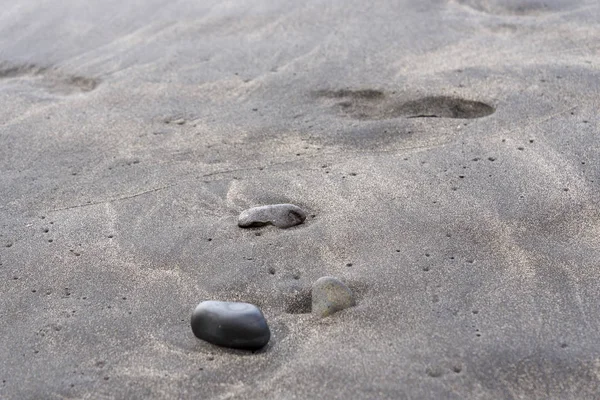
point(280, 215)
point(235, 325)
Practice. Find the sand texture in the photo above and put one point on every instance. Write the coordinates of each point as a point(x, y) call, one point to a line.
point(445, 152)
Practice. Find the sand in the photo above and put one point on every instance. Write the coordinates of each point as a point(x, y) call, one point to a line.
point(445, 151)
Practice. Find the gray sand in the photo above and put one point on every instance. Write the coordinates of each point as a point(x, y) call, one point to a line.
point(446, 149)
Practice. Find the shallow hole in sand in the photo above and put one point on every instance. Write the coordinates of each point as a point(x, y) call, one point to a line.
point(519, 7)
point(299, 303)
point(51, 79)
point(445, 107)
point(371, 104)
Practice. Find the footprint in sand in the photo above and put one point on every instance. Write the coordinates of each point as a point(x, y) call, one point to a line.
point(51, 80)
point(518, 7)
point(370, 104)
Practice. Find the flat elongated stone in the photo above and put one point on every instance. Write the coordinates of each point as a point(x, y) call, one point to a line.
point(330, 295)
point(235, 325)
point(280, 215)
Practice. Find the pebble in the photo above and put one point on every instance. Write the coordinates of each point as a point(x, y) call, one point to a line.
point(235, 325)
point(281, 215)
point(330, 295)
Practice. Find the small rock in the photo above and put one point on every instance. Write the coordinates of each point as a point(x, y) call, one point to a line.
point(235, 325)
point(280, 215)
point(330, 295)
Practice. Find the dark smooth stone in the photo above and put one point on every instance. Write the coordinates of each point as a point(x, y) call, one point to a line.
point(235, 325)
point(279, 215)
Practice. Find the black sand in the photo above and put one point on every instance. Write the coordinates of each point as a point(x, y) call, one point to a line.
point(446, 153)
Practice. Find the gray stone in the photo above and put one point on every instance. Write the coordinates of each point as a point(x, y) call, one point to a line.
point(330, 295)
point(235, 325)
point(279, 215)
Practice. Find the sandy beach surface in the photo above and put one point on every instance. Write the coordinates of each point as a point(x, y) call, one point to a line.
point(445, 152)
